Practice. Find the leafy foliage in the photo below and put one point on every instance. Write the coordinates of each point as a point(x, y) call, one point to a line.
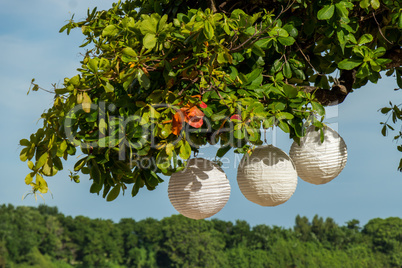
point(394, 113)
point(43, 237)
point(161, 78)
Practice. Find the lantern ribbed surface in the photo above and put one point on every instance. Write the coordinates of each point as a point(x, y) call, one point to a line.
point(316, 162)
point(267, 176)
point(200, 191)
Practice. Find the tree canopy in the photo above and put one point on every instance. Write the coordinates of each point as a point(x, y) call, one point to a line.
point(161, 78)
point(43, 237)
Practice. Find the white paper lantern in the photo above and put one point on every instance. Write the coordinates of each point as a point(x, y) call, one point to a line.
point(200, 191)
point(316, 162)
point(267, 176)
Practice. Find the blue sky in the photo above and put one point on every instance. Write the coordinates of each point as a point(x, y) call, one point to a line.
point(31, 47)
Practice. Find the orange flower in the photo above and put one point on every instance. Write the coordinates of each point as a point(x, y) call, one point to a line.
point(177, 123)
point(193, 116)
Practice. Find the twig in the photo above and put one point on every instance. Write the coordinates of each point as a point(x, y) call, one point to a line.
point(379, 29)
point(189, 85)
point(308, 60)
point(36, 87)
point(213, 6)
point(258, 34)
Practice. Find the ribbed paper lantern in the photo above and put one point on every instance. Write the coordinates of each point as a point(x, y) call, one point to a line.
point(317, 162)
point(200, 191)
point(267, 176)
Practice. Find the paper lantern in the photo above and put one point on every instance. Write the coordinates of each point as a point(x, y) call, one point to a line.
point(267, 176)
point(200, 191)
point(316, 162)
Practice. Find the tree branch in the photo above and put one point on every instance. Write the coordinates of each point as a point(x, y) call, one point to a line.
point(213, 6)
point(394, 54)
point(338, 92)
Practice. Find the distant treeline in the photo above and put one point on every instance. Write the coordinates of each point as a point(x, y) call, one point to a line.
point(43, 237)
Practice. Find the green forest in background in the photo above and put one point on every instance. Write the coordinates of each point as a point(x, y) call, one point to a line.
point(43, 237)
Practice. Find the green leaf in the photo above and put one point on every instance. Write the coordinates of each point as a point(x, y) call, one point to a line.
point(365, 38)
point(25, 142)
point(149, 41)
point(143, 79)
point(299, 74)
point(349, 64)
point(108, 87)
point(218, 117)
point(93, 65)
point(285, 127)
point(318, 108)
point(62, 29)
point(41, 161)
point(113, 194)
point(95, 188)
point(135, 190)
point(75, 80)
point(342, 10)
point(61, 91)
point(95, 172)
point(287, 71)
point(269, 122)
point(276, 67)
point(30, 165)
point(290, 91)
point(222, 151)
point(238, 134)
point(29, 178)
point(258, 51)
point(379, 52)
point(57, 163)
point(110, 30)
point(286, 41)
point(284, 115)
point(326, 12)
point(86, 103)
point(80, 163)
point(364, 3)
point(254, 75)
point(128, 51)
point(277, 31)
point(153, 179)
point(375, 4)
point(149, 25)
point(341, 37)
point(122, 166)
point(400, 21)
point(384, 130)
point(208, 30)
point(291, 29)
point(185, 150)
point(298, 127)
point(399, 78)
point(41, 184)
point(163, 160)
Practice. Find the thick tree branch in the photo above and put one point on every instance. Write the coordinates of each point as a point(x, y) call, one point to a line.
point(394, 54)
point(338, 92)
